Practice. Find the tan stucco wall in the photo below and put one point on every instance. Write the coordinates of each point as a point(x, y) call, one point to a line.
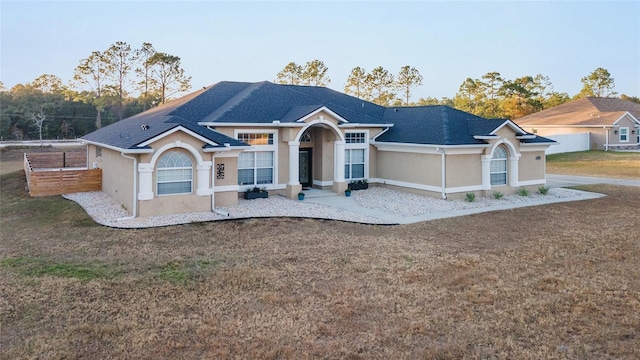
point(532, 166)
point(117, 176)
point(464, 170)
point(230, 171)
point(410, 167)
point(174, 204)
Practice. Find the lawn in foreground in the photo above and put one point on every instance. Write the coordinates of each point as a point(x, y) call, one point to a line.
point(614, 164)
point(556, 281)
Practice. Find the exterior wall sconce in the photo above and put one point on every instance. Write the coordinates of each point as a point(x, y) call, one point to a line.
point(615, 131)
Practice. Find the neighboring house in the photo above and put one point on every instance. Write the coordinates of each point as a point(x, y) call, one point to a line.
point(613, 124)
point(207, 148)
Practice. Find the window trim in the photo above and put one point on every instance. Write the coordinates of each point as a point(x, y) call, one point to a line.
point(260, 148)
point(626, 134)
point(506, 167)
point(159, 169)
point(354, 146)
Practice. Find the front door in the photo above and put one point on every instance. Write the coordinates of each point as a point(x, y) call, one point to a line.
point(305, 168)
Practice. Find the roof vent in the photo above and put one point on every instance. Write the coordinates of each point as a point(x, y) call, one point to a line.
point(145, 127)
point(362, 104)
point(395, 110)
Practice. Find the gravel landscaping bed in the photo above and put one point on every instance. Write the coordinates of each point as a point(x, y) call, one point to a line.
point(104, 210)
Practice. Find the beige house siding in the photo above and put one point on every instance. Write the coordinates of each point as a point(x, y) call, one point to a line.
point(532, 166)
point(463, 170)
point(117, 175)
point(424, 169)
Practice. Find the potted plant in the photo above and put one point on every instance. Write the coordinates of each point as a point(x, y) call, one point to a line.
point(256, 193)
point(347, 192)
point(361, 184)
point(301, 196)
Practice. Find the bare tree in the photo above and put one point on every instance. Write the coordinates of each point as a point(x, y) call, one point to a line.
point(38, 119)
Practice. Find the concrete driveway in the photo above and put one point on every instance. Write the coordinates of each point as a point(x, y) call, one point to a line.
point(555, 181)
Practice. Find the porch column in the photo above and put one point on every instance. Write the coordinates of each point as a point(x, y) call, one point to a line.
point(513, 170)
point(204, 170)
point(486, 172)
point(145, 176)
point(338, 171)
point(294, 163)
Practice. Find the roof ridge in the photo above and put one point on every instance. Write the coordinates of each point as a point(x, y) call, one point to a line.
point(328, 103)
point(446, 134)
point(235, 100)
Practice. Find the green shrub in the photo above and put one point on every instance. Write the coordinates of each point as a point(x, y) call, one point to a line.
point(497, 195)
point(522, 192)
point(470, 197)
point(543, 190)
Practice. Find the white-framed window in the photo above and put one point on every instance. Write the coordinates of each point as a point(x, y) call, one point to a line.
point(257, 165)
point(174, 174)
point(256, 138)
point(499, 166)
point(354, 163)
point(355, 137)
point(624, 134)
point(356, 155)
point(255, 168)
point(98, 151)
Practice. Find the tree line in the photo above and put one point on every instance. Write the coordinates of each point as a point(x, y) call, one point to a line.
point(107, 86)
point(120, 82)
point(490, 96)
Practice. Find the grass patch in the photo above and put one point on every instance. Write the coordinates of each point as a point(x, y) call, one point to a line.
point(457, 288)
point(596, 163)
point(41, 267)
point(174, 273)
point(180, 273)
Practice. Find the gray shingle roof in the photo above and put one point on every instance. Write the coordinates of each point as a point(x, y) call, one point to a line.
point(265, 102)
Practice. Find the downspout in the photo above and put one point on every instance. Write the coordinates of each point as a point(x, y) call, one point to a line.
point(135, 188)
point(444, 173)
point(606, 137)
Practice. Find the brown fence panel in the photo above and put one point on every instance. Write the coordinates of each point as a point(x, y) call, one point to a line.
point(55, 160)
point(57, 182)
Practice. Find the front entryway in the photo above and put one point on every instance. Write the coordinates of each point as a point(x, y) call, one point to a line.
point(306, 179)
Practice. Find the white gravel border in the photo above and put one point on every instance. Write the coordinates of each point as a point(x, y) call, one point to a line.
point(104, 210)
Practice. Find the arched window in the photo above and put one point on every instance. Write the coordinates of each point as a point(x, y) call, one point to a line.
point(499, 166)
point(174, 174)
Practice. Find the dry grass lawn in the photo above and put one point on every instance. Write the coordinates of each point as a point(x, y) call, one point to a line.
point(622, 165)
point(549, 282)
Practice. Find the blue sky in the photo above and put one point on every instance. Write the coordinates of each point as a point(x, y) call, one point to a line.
point(251, 41)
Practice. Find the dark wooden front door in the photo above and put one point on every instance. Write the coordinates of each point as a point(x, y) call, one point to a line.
point(305, 167)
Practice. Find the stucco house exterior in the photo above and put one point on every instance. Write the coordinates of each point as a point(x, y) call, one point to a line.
point(206, 149)
point(613, 124)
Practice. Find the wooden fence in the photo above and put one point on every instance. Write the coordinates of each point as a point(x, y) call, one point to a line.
point(44, 178)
